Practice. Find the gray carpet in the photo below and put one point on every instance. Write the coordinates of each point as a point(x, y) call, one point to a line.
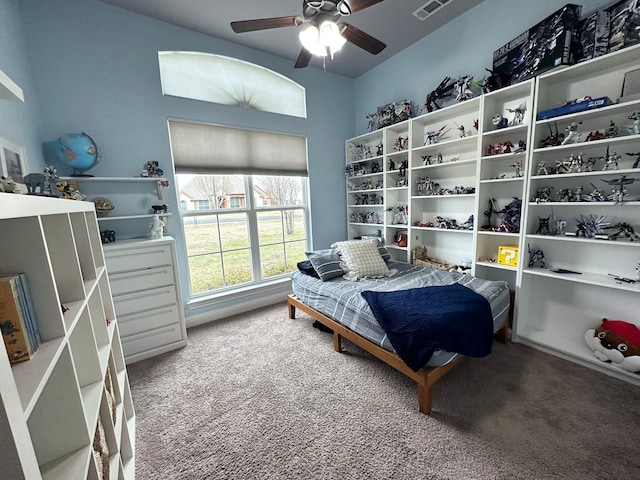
point(260, 396)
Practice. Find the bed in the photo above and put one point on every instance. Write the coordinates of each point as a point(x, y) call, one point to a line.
point(339, 304)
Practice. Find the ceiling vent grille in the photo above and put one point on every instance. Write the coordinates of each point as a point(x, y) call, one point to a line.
point(429, 8)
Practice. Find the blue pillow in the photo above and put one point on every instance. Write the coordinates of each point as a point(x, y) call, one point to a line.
point(384, 253)
point(326, 263)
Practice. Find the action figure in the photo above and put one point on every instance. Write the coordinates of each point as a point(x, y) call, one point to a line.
point(626, 230)
point(618, 188)
point(573, 136)
point(441, 91)
point(543, 226)
point(612, 130)
point(634, 128)
point(637, 162)
point(156, 228)
point(463, 88)
point(554, 139)
point(434, 135)
point(536, 255)
point(610, 160)
point(518, 114)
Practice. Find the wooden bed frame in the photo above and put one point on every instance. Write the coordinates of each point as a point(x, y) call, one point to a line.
point(426, 377)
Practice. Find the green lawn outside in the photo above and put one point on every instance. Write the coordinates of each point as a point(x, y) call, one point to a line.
point(206, 258)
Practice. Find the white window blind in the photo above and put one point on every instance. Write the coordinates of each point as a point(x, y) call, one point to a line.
point(201, 149)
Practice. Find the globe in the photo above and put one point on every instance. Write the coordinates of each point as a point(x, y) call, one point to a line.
point(79, 151)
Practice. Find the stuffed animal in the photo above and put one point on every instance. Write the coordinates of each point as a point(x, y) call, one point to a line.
point(616, 341)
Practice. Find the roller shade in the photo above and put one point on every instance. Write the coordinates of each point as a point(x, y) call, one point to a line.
point(202, 149)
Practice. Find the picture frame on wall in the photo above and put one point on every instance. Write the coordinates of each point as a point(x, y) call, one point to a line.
point(13, 161)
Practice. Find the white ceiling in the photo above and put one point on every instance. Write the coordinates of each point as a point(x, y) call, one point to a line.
point(390, 21)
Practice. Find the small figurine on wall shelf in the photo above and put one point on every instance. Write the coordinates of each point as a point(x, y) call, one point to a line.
point(7, 185)
point(159, 208)
point(152, 169)
point(156, 228)
point(108, 236)
point(634, 128)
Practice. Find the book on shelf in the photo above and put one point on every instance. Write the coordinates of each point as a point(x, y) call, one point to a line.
point(17, 319)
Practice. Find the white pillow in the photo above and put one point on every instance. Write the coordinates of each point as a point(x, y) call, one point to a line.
point(361, 259)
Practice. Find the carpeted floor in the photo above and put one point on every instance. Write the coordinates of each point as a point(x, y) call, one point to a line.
point(260, 396)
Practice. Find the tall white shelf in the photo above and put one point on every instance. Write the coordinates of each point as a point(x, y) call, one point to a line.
point(555, 309)
point(51, 404)
point(552, 310)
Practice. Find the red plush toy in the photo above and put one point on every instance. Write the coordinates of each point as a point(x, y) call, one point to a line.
point(616, 341)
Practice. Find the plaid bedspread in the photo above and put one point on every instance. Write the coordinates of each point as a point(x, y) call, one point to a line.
point(342, 301)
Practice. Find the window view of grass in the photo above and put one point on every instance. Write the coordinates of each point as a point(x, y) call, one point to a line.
point(219, 247)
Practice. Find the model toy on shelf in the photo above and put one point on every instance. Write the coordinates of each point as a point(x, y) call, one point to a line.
point(152, 169)
point(634, 128)
point(536, 256)
point(623, 229)
point(401, 215)
point(372, 122)
point(462, 88)
point(499, 121)
point(597, 135)
point(500, 148)
point(573, 135)
point(637, 161)
point(441, 91)
point(554, 139)
point(619, 191)
point(434, 136)
point(401, 143)
point(518, 114)
point(574, 106)
point(612, 130)
point(543, 226)
point(107, 236)
point(595, 196)
point(157, 209)
point(610, 160)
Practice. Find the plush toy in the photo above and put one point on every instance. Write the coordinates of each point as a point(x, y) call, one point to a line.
point(616, 341)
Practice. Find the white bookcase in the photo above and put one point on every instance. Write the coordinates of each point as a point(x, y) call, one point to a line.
point(555, 309)
point(552, 310)
point(51, 404)
point(502, 177)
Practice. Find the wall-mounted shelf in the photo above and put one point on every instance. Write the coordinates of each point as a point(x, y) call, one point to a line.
point(9, 89)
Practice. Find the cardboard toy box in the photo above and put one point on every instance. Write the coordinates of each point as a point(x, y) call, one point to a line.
point(508, 255)
point(624, 30)
point(544, 46)
point(593, 34)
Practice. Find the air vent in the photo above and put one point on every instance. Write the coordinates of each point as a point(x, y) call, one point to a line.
point(429, 8)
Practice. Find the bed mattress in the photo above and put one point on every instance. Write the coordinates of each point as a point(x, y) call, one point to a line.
point(341, 300)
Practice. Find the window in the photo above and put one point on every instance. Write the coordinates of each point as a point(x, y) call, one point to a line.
point(203, 204)
point(229, 81)
point(183, 205)
point(242, 239)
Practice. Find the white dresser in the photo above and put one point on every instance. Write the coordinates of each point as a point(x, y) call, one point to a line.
point(146, 294)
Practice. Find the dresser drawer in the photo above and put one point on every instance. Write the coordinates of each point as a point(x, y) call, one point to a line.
point(129, 282)
point(144, 322)
point(137, 258)
point(145, 300)
point(158, 338)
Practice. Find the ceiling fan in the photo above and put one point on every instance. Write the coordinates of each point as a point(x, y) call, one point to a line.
point(324, 34)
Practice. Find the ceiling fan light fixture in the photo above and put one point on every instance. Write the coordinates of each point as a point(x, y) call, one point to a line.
point(310, 39)
point(344, 8)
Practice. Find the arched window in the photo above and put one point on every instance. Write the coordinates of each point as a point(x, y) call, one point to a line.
point(229, 81)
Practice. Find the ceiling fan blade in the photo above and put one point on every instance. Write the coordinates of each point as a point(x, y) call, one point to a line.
point(265, 24)
point(303, 58)
point(357, 5)
point(361, 39)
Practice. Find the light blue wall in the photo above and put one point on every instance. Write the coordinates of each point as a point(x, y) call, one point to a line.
point(464, 46)
point(19, 121)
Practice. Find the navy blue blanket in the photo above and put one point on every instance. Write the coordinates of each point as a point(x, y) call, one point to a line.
point(419, 321)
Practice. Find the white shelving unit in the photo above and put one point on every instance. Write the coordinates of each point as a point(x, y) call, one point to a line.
point(9, 89)
point(555, 309)
point(51, 405)
point(502, 176)
point(132, 198)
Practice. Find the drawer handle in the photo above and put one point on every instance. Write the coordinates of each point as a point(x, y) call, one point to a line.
point(141, 274)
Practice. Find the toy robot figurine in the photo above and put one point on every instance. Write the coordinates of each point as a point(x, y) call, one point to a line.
point(536, 256)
